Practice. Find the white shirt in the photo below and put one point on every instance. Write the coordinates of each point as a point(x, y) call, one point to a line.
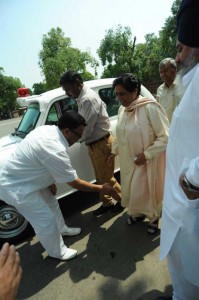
point(93, 109)
point(169, 97)
point(180, 213)
point(38, 161)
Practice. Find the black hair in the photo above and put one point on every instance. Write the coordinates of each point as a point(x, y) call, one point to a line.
point(70, 77)
point(129, 82)
point(71, 119)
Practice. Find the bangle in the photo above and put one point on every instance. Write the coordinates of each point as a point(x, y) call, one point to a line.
point(187, 185)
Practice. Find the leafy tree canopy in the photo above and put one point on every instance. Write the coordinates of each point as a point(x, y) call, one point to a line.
point(39, 88)
point(58, 55)
point(168, 33)
point(119, 53)
point(116, 51)
point(8, 94)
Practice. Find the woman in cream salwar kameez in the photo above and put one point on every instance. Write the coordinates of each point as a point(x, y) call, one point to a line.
point(141, 139)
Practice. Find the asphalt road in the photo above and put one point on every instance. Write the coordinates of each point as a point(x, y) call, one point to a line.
point(115, 260)
point(8, 126)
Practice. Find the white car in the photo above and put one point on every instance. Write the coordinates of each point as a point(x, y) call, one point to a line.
point(46, 109)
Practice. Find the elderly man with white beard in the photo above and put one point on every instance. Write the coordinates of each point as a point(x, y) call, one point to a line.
point(180, 220)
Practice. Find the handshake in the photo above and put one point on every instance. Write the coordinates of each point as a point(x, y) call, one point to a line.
point(107, 189)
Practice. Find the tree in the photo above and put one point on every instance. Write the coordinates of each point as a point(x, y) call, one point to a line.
point(146, 58)
point(8, 94)
point(58, 55)
point(119, 54)
point(116, 51)
point(168, 33)
point(39, 88)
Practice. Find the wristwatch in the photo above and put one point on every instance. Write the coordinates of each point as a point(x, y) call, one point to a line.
point(188, 186)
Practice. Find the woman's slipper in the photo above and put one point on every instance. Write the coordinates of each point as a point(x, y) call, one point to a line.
point(153, 227)
point(133, 220)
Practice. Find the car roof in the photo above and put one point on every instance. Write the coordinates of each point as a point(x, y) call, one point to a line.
point(46, 97)
point(59, 92)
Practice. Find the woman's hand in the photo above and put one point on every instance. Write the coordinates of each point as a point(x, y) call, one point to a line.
point(140, 159)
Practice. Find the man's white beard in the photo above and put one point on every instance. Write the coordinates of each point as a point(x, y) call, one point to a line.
point(185, 66)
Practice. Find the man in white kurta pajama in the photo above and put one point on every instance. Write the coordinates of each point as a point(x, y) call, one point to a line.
point(180, 221)
point(41, 159)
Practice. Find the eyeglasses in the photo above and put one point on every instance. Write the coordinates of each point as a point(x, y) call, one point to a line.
point(76, 133)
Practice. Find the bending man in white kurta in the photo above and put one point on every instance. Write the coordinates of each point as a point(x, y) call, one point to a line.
point(41, 159)
point(142, 133)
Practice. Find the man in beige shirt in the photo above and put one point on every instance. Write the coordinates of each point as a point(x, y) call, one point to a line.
point(170, 92)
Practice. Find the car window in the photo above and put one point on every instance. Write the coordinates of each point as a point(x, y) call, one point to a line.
point(112, 103)
point(58, 108)
point(68, 104)
point(29, 119)
point(52, 117)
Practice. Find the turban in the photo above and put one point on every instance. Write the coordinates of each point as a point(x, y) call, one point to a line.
point(188, 23)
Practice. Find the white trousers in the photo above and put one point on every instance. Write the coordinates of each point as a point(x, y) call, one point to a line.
point(43, 212)
point(182, 289)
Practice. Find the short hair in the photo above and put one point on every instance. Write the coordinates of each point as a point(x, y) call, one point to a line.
point(168, 61)
point(129, 81)
point(70, 77)
point(71, 119)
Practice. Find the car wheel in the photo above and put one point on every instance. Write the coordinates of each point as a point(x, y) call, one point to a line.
point(13, 226)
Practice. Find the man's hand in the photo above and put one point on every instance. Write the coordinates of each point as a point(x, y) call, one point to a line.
point(109, 190)
point(53, 189)
point(190, 193)
point(10, 272)
point(140, 159)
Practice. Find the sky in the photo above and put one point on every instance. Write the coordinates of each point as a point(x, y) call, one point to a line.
point(24, 22)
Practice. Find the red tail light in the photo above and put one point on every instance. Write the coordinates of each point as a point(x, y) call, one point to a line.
point(23, 92)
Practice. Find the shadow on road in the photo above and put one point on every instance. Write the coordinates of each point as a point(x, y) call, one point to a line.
point(107, 247)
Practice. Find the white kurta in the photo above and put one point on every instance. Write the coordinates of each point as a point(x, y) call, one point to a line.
point(169, 97)
point(38, 161)
point(142, 130)
point(181, 215)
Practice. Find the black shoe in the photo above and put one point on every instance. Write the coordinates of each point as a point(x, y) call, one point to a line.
point(117, 208)
point(102, 209)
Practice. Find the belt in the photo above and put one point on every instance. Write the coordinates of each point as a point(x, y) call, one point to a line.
point(98, 140)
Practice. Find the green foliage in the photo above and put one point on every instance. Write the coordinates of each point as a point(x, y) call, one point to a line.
point(168, 33)
point(39, 88)
point(116, 51)
point(119, 54)
point(147, 57)
point(8, 94)
point(58, 55)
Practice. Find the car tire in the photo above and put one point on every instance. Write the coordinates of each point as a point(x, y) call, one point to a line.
point(13, 226)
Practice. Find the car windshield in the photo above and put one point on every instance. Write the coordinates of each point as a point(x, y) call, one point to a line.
point(28, 121)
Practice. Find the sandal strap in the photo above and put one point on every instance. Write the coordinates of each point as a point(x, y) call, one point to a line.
point(153, 225)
